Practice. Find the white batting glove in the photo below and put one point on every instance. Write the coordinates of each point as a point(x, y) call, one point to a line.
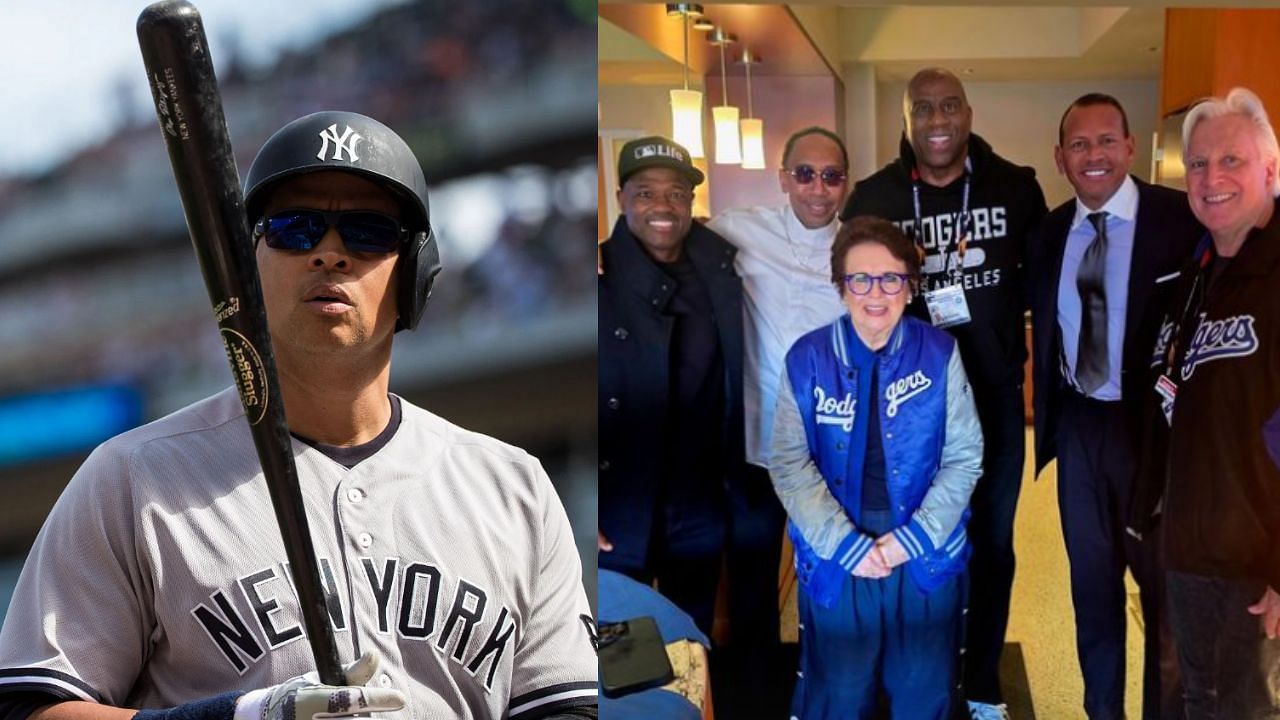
point(304, 698)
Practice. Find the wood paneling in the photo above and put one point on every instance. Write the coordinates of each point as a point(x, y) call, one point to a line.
point(1210, 51)
point(602, 202)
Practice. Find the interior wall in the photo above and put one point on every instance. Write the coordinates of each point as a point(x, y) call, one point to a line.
point(636, 107)
point(786, 104)
point(1020, 120)
point(861, 122)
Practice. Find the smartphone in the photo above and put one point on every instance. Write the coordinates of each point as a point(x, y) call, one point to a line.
point(633, 657)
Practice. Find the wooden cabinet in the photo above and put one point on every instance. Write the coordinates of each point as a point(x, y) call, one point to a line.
point(1209, 51)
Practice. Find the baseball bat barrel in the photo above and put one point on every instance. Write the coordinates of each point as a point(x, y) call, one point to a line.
point(189, 108)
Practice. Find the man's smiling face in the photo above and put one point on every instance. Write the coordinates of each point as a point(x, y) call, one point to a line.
point(1096, 153)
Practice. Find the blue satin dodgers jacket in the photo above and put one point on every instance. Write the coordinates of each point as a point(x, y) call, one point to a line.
point(932, 451)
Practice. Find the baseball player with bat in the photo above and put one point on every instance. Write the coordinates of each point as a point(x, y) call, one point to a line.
point(159, 587)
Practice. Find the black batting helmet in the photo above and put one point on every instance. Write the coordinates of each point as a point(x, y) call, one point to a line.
point(347, 141)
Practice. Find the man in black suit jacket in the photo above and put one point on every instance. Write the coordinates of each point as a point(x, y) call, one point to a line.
point(670, 383)
point(1100, 271)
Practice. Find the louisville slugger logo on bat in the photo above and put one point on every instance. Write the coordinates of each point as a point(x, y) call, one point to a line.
point(250, 374)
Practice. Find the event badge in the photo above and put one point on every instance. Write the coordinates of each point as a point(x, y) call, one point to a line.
point(1168, 391)
point(947, 306)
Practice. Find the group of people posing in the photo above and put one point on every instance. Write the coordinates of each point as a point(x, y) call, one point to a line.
point(851, 364)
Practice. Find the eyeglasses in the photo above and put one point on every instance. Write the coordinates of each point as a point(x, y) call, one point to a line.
point(831, 177)
point(861, 283)
point(361, 230)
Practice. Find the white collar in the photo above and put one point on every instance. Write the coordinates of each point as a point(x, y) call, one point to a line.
point(808, 236)
point(1122, 204)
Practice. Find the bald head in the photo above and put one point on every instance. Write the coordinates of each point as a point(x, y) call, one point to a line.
point(931, 75)
point(937, 118)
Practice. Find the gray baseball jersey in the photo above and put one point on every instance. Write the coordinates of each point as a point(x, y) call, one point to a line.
point(160, 577)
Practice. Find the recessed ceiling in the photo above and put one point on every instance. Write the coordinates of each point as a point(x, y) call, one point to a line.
point(769, 31)
point(1000, 41)
point(624, 59)
point(617, 45)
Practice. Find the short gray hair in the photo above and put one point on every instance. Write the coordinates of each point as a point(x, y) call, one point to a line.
point(1243, 102)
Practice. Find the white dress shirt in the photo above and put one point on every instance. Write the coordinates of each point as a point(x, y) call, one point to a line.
point(786, 277)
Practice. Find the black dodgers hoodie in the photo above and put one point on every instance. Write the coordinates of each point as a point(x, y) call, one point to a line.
point(1005, 203)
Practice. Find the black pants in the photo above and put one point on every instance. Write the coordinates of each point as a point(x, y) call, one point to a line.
point(1230, 669)
point(994, 503)
point(685, 555)
point(760, 686)
point(1096, 470)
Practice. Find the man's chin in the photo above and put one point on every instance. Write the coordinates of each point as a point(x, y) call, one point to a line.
point(322, 338)
point(940, 161)
point(814, 220)
point(662, 244)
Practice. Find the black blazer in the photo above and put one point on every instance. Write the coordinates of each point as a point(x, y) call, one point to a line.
point(633, 384)
point(1165, 236)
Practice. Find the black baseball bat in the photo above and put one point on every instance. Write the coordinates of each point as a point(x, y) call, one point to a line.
point(189, 107)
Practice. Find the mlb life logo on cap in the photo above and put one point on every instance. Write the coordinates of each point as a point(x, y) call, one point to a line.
point(656, 151)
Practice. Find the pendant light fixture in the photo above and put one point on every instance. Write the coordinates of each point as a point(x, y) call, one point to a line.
point(728, 147)
point(686, 104)
point(752, 127)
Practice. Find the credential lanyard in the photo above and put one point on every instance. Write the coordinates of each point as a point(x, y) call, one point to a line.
point(1195, 299)
point(955, 271)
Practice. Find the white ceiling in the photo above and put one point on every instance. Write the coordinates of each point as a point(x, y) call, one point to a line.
point(999, 41)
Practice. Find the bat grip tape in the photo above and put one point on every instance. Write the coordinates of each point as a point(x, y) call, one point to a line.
point(218, 707)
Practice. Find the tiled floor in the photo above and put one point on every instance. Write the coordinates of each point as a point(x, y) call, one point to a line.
point(1041, 624)
point(1042, 620)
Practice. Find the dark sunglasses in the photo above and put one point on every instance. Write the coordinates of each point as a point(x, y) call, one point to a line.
point(361, 230)
point(831, 177)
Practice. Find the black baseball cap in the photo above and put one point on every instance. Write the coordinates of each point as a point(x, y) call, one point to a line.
point(656, 151)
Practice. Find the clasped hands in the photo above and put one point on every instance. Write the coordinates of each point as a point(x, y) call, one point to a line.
point(886, 554)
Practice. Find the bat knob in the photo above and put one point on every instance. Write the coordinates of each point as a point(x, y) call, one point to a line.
point(169, 13)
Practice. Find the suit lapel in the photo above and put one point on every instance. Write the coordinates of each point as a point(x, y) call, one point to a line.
point(1148, 250)
point(1058, 236)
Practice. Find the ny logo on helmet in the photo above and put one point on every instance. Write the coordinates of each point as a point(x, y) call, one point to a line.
point(345, 142)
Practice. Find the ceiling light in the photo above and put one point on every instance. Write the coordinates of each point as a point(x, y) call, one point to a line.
point(752, 127)
point(686, 104)
point(728, 146)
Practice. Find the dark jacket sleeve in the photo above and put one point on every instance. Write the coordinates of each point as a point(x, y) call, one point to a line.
point(20, 705)
point(1271, 439)
point(590, 713)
